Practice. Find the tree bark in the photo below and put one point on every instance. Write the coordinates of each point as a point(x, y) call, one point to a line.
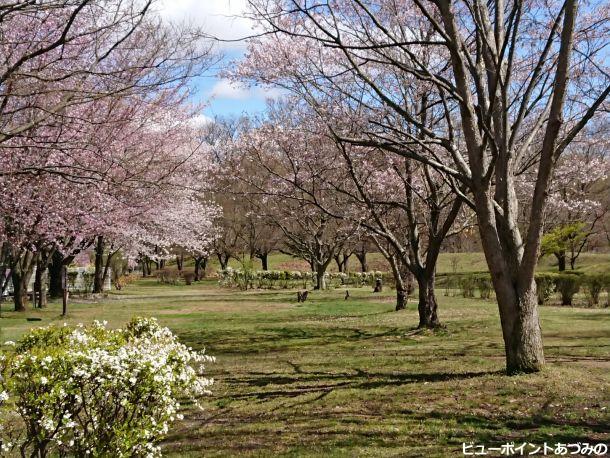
point(320, 280)
point(427, 306)
point(364, 267)
point(561, 260)
point(201, 263)
point(264, 257)
point(401, 298)
point(342, 261)
point(223, 260)
point(98, 276)
point(107, 267)
point(20, 276)
point(521, 330)
point(57, 262)
point(40, 291)
point(145, 271)
point(180, 261)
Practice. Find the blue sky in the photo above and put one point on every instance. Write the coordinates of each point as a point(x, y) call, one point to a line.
point(223, 19)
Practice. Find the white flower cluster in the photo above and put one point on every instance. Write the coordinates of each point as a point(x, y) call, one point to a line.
point(95, 391)
point(270, 278)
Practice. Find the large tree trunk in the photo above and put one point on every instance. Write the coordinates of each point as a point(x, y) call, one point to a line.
point(561, 260)
point(57, 262)
point(107, 267)
point(201, 263)
point(515, 290)
point(264, 257)
point(320, 280)
point(40, 290)
point(98, 277)
point(180, 261)
point(145, 271)
point(427, 306)
point(223, 260)
point(342, 261)
point(521, 328)
point(20, 276)
point(361, 255)
point(401, 297)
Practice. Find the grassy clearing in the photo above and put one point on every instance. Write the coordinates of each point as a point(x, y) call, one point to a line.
point(353, 378)
point(447, 263)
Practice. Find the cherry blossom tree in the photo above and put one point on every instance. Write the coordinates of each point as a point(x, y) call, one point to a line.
point(93, 104)
point(287, 170)
point(505, 82)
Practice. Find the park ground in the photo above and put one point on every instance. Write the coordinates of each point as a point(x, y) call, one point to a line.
point(335, 377)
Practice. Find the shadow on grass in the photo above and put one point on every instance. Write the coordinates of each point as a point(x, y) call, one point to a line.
point(311, 382)
point(430, 433)
point(281, 338)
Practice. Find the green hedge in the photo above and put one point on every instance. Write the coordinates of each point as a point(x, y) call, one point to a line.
point(566, 285)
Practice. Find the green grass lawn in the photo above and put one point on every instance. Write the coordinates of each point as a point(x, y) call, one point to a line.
point(447, 263)
point(354, 378)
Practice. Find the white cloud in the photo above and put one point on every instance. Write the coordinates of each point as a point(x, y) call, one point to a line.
point(222, 19)
point(226, 89)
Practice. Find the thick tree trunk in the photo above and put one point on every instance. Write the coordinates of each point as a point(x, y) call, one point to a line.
point(40, 290)
point(521, 329)
point(342, 261)
point(401, 298)
point(180, 261)
point(107, 268)
point(364, 267)
point(320, 280)
point(561, 260)
point(57, 262)
point(144, 269)
point(515, 289)
point(201, 263)
point(223, 260)
point(98, 276)
point(20, 276)
point(427, 306)
point(264, 257)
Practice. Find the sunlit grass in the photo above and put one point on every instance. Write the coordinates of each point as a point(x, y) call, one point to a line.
point(354, 378)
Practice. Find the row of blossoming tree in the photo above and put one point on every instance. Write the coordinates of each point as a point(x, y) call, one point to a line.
point(407, 117)
point(99, 146)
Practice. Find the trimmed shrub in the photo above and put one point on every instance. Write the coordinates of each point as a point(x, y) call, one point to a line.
point(594, 285)
point(71, 279)
point(189, 277)
point(484, 285)
point(567, 285)
point(545, 287)
point(92, 391)
point(467, 285)
point(88, 279)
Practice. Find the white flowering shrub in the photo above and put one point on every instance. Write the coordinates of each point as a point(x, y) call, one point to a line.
point(269, 279)
point(94, 391)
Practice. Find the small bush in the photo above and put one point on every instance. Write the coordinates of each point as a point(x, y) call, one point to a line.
point(71, 279)
point(545, 287)
point(189, 277)
point(88, 279)
point(484, 285)
point(594, 285)
point(467, 285)
point(91, 391)
point(567, 285)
